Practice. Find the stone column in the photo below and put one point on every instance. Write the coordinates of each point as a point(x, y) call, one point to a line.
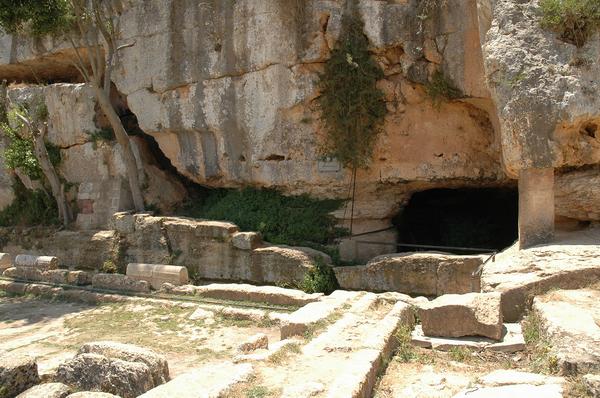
point(536, 206)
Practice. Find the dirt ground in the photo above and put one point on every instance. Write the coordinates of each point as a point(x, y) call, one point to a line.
point(54, 331)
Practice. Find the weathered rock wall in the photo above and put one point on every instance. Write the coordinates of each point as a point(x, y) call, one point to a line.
point(94, 166)
point(227, 88)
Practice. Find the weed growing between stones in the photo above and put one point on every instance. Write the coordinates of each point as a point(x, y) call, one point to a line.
point(320, 279)
point(109, 267)
point(460, 354)
point(285, 353)
point(539, 347)
point(405, 351)
point(574, 20)
point(258, 392)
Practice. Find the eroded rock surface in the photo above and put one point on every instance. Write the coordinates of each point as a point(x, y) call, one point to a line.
point(570, 262)
point(544, 90)
point(95, 372)
point(47, 390)
point(127, 352)
point(17, 374)
point(571, 319)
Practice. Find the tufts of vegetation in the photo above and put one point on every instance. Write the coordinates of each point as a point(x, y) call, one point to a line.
point(440, 87)
point(102, 135)
point(29, 208)
point(320, 279)
point(352, 107)
point(109, 267)
point(36, 17)
point(406, 351)
point(574, 20)
point(292, 220)
point(539, 346)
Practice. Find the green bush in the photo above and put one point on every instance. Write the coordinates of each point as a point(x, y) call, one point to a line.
point(109, 267)
point(292, 220)
point(38, 17)
point(320, 279)
point(574, 20)
point(29, 208)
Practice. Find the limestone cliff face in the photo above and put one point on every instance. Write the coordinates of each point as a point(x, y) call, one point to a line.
point(227, 88)
point(546, 96)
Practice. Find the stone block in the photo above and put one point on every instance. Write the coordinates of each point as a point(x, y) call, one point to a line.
point(79, 278)
point(256, 342)
point(122, 222)
point(119, 282)
point(454, 315)
point(215, 229)
point(43, 263)
point(6, 261)
point(246, 240)
point(18, 373)
point(47, 390)
point(92, 394)
point(59, 276)
point(158, 274)
point(127, 352)
point(213, 380)
point(512, 341)
point(428, 274)
point(24, 273)
point(94, 372)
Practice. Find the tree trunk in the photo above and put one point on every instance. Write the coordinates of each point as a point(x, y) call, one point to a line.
point(58, 189)
point(123, 140)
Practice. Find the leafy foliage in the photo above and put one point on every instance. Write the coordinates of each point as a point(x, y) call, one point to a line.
point(29, 208)
point(293, 220)
point(320, 279)
point(19, 153)
point(574, 20)
point(38, 17)
point(352, 107)
point(441, 87)
point(109, 267)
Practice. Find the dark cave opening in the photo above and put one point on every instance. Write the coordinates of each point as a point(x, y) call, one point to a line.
point(468, 217)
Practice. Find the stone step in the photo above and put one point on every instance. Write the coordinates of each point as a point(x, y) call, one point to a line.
point(244, 292)
point(302, 320)
point(344, 360)
point(210, 381)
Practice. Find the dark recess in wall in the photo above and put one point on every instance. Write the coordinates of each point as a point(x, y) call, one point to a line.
point(468, 217)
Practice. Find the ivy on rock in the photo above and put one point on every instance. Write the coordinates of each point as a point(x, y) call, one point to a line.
point(352, 107)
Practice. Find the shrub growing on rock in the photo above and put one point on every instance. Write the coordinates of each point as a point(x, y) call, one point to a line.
point(574, 20)
point(320, 279)
point(352, 107)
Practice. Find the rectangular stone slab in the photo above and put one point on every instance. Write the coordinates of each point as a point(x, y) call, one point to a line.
point(157, 274)
point(43, 263)
point(512, 341)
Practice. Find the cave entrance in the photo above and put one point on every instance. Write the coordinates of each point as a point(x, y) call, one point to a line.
point(468, 217)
